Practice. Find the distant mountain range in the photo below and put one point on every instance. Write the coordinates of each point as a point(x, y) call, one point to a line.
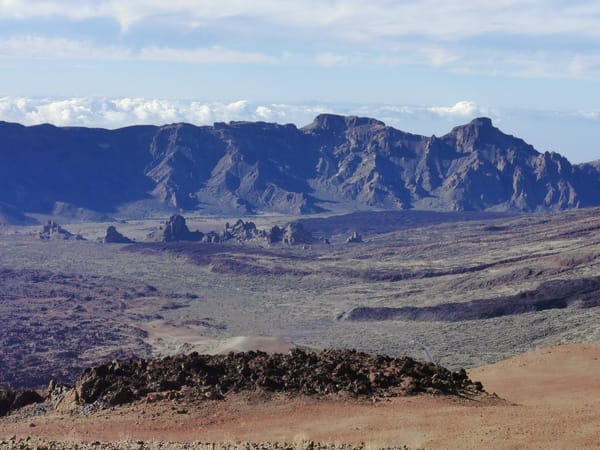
point(335, 163)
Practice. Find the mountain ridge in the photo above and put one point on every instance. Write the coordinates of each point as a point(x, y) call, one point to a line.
point(334, 163)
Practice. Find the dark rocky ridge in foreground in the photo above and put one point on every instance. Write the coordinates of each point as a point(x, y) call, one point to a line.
point(248, 167)
point(298, 372)
point(211, 377)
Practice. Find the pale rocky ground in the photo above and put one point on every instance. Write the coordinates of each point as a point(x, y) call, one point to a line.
point(297, 295)
point(550, 399)
point(201, 301)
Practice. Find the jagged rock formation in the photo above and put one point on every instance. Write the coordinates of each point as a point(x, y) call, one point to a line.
point(51, 230)
point(298, 372)
point(175, 229)
point(114, 237)
point(293, 234)
point(11, 400)
point(243, 231)
point(242, 167)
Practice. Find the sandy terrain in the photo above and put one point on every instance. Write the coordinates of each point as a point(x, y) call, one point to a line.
point(167, 339)
point(552, 401)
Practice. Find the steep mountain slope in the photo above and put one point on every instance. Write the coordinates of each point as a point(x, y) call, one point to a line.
point(334, 163)
point(90, 168)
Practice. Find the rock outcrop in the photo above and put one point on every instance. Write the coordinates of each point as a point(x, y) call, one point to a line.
point(579, 293)
point(51, 230)
point(292, 234)
point(11, 400)
point(175, 229)
point(114, 237)
point(298, 372)
point(295, 234)
point(243, 231)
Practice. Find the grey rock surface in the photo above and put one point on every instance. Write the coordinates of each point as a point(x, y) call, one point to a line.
point(334, 163)
point(114, 237)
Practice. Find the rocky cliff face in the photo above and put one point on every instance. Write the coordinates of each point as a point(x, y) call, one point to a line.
point(335, 162)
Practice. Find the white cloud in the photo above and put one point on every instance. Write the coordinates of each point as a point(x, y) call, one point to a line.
point(440, 57)
point(346, 19)
point(522, 63)
point(504, 37)
point(61, 48)
point(213, 55)
point(590, 115)
point(559, 64)
point(463, 108)
point(58, 48)
point(264, 112)
point(329, 59)
point(113, 113)
point(547, 132)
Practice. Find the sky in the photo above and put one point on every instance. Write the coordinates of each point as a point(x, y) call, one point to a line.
point(422, 66)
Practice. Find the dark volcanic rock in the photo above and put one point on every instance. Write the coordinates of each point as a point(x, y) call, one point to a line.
point(52, 230)
point(555, 294)
point(175, 229)
point(250, 167)
point(114, 237)
point(295, 234)
point(298, 372)
point(12, 400)
point(243, 231)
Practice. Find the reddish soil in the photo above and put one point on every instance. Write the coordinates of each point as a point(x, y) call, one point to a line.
point(552, 400)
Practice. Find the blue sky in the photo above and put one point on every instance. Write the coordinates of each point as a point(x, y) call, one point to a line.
point(423, 66)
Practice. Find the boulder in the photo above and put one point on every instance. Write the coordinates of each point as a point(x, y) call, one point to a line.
point(114, 237)
point(177, 230)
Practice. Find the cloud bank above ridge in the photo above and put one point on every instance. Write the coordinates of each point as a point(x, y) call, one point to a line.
point(119, 112)
point(553, 129)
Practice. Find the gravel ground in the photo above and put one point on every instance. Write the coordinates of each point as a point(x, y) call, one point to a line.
point(31, 444)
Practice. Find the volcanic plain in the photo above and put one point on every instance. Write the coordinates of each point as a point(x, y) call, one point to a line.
point(458, 289)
